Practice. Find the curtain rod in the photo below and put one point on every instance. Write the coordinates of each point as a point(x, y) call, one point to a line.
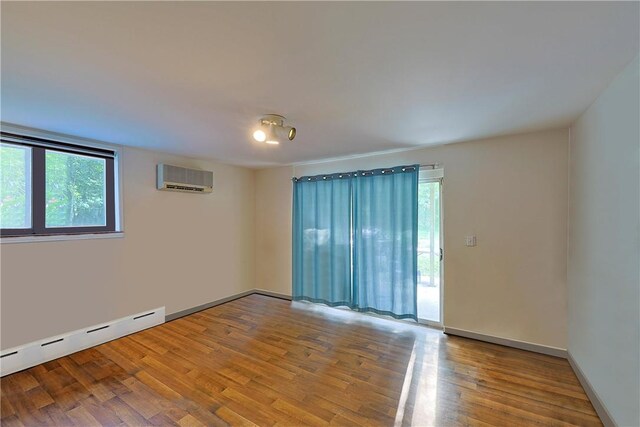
point(377, 171)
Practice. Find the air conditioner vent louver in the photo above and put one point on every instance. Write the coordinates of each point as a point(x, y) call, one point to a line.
point(175, 178)
point(182, 188)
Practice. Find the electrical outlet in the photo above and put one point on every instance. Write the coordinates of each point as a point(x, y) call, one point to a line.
point(470, 241)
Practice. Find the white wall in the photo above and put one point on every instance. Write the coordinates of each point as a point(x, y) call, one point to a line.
point(604, 242)
point(179, 250)
point(510, 191)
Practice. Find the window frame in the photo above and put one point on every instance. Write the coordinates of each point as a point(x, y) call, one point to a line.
point(39, 146)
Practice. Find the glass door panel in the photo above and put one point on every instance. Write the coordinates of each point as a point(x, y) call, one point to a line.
point(429, 251)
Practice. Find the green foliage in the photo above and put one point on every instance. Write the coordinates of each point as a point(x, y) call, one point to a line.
point(14, 171)
point(428, 194)
point(75, 190)
point(429, 231)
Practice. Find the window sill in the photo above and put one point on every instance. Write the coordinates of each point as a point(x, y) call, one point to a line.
point(60, 237)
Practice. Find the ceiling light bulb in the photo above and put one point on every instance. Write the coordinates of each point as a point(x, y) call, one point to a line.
point(259, 135)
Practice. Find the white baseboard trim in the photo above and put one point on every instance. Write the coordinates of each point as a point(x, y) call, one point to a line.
point(25, 356)
point(522, 345)
point(598, 405)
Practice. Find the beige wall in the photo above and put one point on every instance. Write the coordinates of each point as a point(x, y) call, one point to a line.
point(273, 229)
point(604, 246)
point(179, 250)
point(511, 192)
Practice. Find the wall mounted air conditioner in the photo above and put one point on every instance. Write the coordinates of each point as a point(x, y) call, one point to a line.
point(175, 178)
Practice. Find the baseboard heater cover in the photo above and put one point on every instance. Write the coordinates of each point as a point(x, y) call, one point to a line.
point(25, 356)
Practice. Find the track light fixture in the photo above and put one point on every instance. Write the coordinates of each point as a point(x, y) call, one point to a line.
point(271, 130)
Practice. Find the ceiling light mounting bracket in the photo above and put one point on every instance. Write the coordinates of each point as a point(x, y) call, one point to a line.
point(272, 119)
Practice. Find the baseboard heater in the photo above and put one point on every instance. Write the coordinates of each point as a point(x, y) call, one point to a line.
point(32, 354)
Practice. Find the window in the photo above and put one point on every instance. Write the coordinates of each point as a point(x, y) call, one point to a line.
point(50, 187)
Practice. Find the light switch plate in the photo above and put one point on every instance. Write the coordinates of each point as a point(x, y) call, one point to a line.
point(470, 241)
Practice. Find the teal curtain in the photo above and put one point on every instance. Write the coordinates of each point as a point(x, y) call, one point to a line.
point(385, 224)
point(355, 239)
point(322, 239)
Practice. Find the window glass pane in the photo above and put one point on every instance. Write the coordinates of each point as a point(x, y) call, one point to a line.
point(15, 186)
point(429, 251)
point(75, 190)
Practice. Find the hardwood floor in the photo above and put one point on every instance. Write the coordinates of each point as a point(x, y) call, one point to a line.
point(264, 361)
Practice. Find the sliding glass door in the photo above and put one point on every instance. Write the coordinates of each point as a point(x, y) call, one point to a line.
point(430, 247)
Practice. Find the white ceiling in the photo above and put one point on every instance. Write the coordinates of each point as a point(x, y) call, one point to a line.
point(193, 77)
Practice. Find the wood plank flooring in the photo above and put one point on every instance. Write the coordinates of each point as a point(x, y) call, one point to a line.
point(264, 361)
